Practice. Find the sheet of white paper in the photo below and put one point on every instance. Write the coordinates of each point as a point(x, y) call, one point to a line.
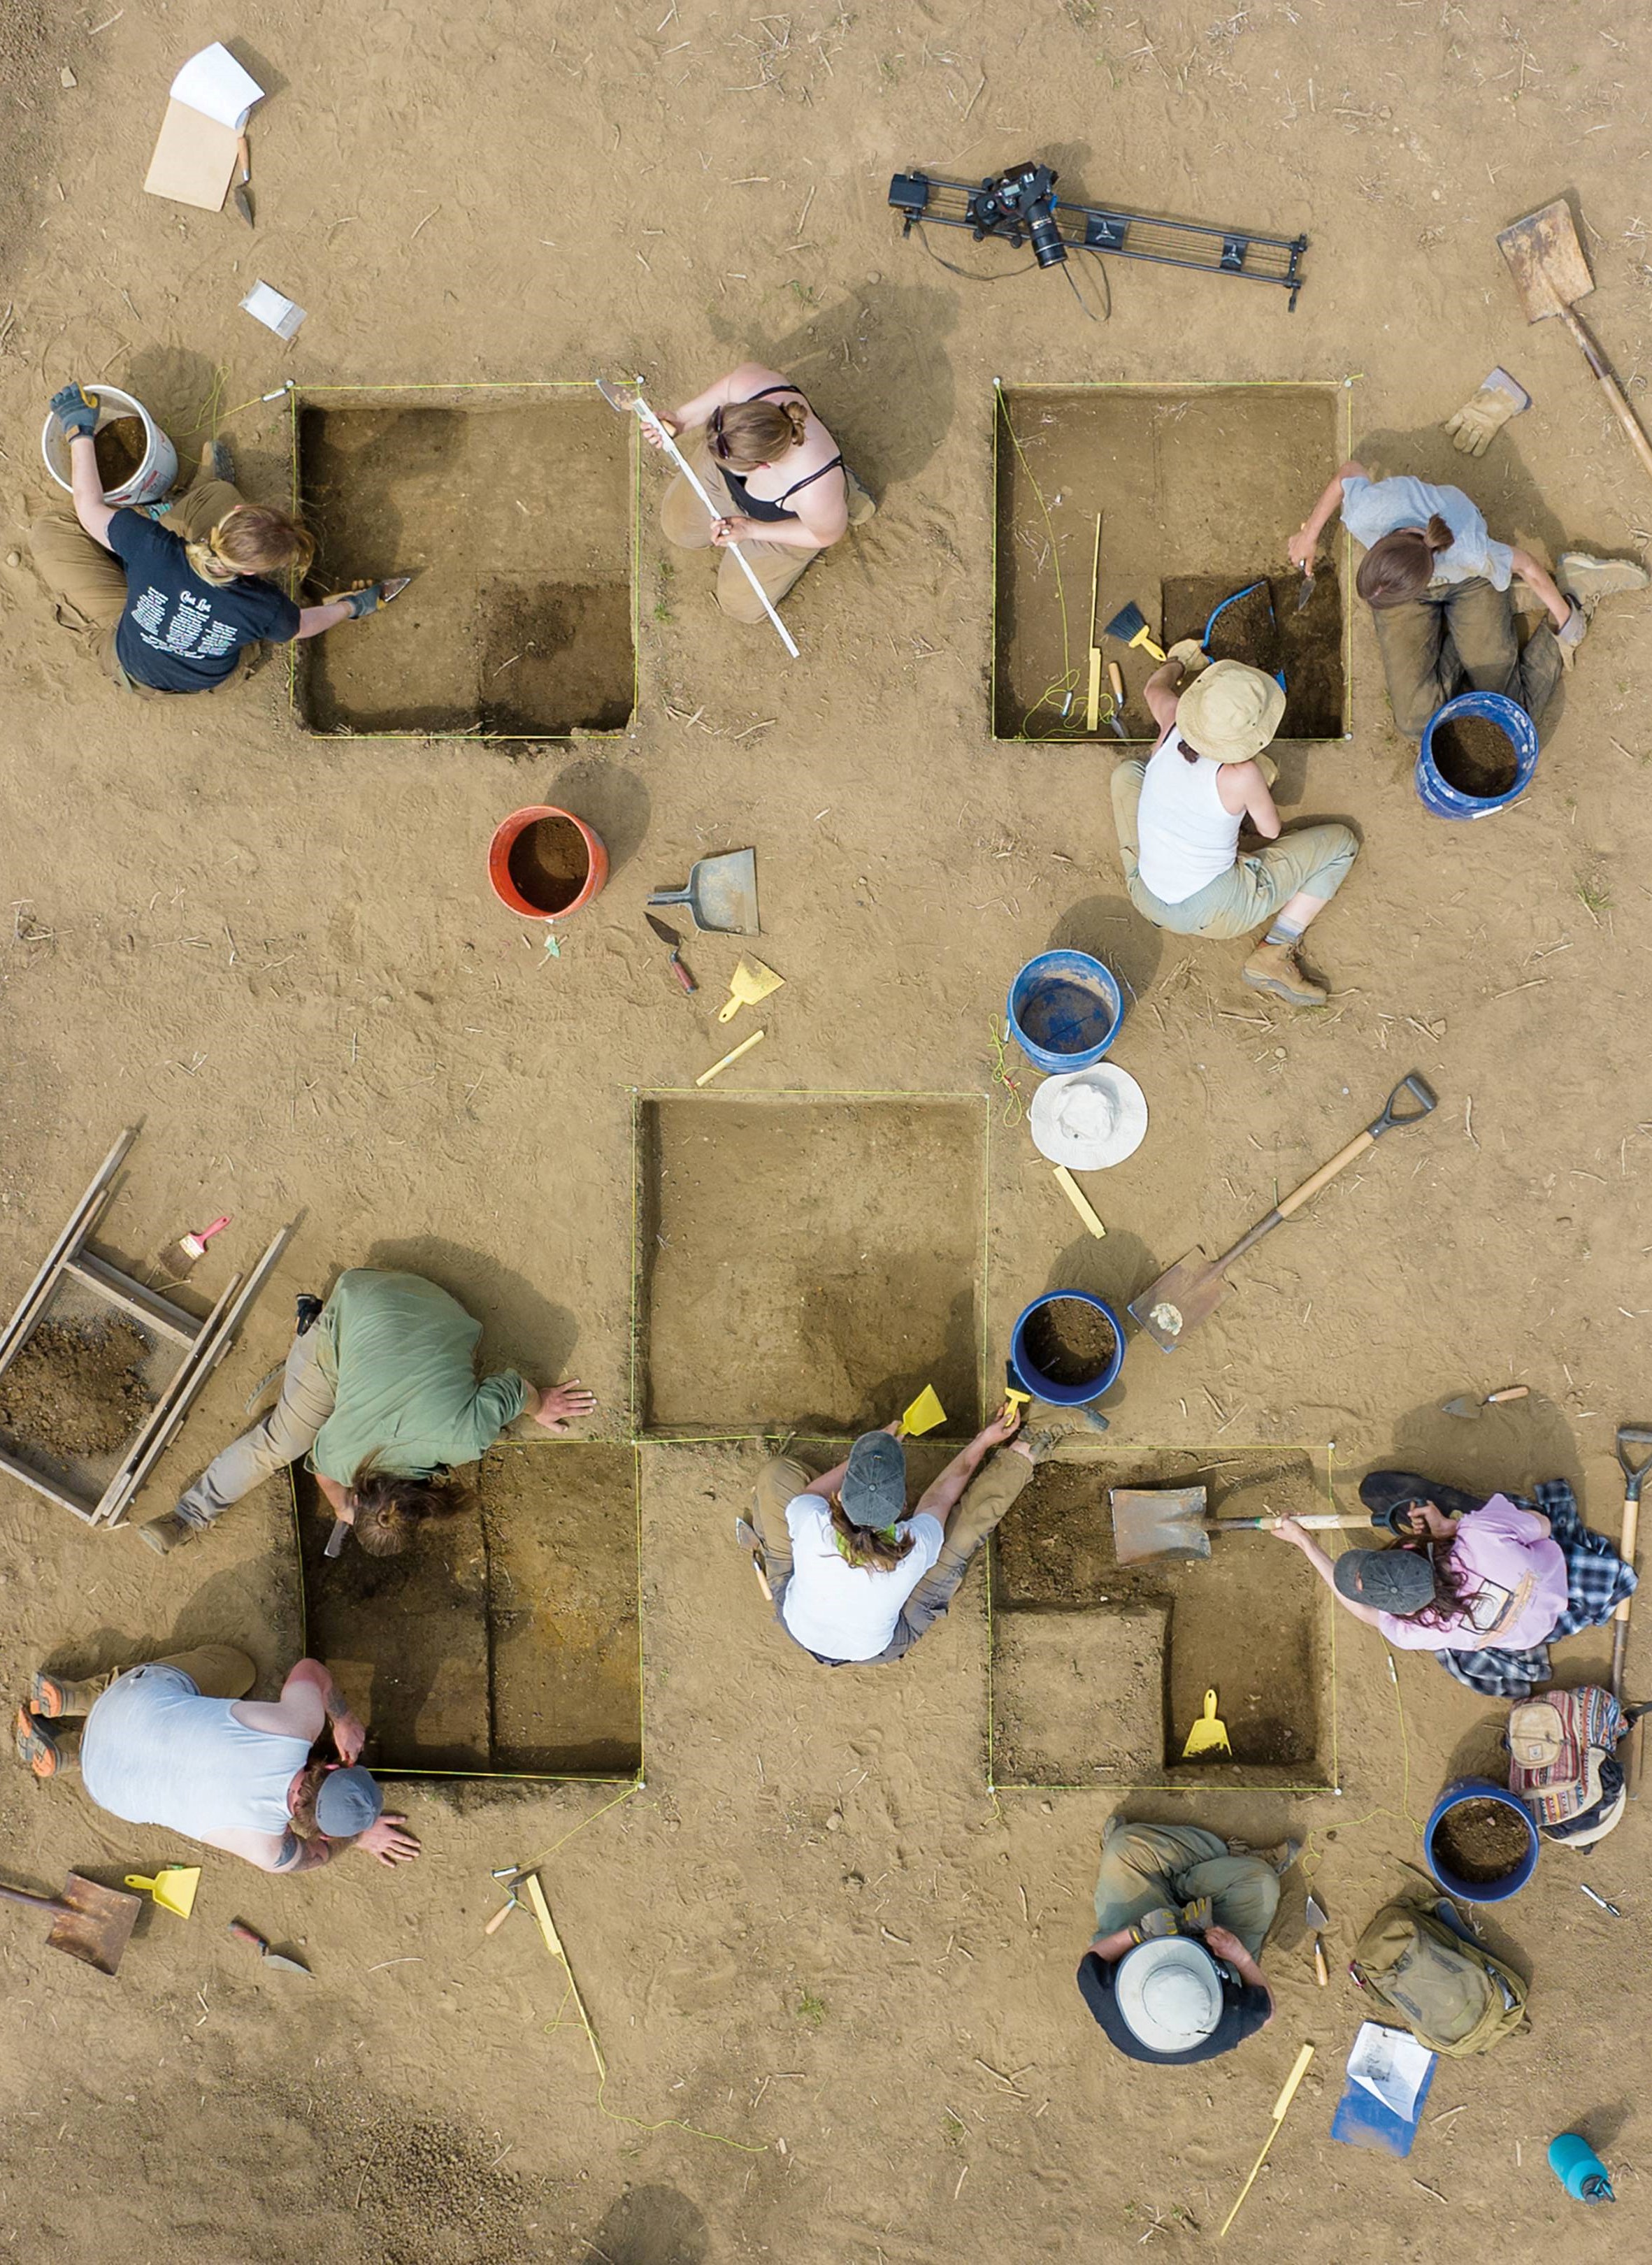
point(1391, 2064)
point(266, 305)
point(214, 84)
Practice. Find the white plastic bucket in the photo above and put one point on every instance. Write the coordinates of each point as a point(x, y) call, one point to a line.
point(154, 477)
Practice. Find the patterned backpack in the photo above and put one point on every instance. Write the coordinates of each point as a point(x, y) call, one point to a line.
point(1562, 1763)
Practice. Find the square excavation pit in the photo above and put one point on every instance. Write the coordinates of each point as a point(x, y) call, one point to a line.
point(1197, 488)
point(1100, 1670)
point(513, 510)
point(502, 1642)
point(811, 1263)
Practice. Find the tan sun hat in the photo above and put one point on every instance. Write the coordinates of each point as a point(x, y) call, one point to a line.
point(1230, 712)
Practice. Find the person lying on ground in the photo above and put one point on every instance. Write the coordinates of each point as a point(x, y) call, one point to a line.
point(176, 601)
point(1439, 590)
point(380, 1391)
point(1484, 1582)
point(782, 489)
point(855, 1577)
point(1179, 816)
point(1181, 1917)
point(177, 1743)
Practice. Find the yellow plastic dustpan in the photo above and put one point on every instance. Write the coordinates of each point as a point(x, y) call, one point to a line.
point(1209, 1733)
point(750, 982)
point(173, 1887)
point(924, 1414)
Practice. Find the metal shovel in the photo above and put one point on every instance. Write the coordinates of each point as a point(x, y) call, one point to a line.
point(91, 1923)
point(1550, 273)
point(1170, 1522)
point(721, 893)
point(1192, 1289)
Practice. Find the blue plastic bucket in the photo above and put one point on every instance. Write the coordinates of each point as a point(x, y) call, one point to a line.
point(1484, 1891)
point(1437, 794)
point(1064, 1010)
point(1032, 1378)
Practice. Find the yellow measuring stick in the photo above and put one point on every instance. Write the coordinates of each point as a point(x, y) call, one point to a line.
point(1287, 2094)
point(734, 1055)
point(1078, 1200)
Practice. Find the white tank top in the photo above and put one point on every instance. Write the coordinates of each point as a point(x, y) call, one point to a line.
point(1186, 839)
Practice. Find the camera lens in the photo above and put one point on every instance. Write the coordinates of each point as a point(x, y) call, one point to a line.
point(1047, 247)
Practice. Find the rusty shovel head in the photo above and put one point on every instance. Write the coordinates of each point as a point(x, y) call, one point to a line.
point(1547, 261)
point(98, 1925)
point(1179, 1301)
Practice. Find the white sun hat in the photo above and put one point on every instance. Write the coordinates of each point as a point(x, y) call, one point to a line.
point(1170, 1993)
point(1088, 1118)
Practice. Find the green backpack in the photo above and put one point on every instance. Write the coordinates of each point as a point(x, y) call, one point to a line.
point(1454, 1996)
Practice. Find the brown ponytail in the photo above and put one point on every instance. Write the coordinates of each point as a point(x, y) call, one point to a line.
point(390, 1510)
point(746, 434)
point(865, 1545)
point(1398, 565)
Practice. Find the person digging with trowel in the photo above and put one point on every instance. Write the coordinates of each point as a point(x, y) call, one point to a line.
point(777, 476)
point(380, 1391)
point(854, 1577)
point(1179, 816)
point(176, 599)
point(1439, 590)
point(177, 1742)
point(1180, 1918)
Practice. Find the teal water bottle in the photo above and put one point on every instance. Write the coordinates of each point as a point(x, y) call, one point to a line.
point(1579, 2169)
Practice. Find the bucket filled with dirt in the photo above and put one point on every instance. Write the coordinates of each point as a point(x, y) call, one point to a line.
point(1066, 1348)
point(545, 863)
point(1478, 754)
point(1481, 1843)
point(136, 463)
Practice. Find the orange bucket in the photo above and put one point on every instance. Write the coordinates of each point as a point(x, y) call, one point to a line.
point(545, 863)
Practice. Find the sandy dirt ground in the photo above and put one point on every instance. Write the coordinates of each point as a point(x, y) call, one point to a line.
point(813, 1934)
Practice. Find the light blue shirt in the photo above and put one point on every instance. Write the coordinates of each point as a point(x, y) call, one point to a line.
point(156, 1752)
point(1373, 508)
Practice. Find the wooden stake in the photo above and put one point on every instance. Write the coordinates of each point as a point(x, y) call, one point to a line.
point(1078, 1200)
point(744, 1047)
point(1287, 2094)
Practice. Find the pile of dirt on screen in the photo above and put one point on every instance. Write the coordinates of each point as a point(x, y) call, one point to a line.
point(1100, 1669)
point(72, 1392)
point(504, 1638)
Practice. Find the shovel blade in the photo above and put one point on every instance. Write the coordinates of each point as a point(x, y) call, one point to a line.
point(1157, 1522)
point(1179, 1301)
point(1547, 261)
point(98, 1925)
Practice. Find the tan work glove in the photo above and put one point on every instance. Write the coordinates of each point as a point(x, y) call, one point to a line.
point(1478, 422)
point(1190, 653)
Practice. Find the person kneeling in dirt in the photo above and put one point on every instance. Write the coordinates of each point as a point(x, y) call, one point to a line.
point(177, 1742)
point(854, 1578)
point(1180, 1918)
point(178, 603)
point(775, 475)
point(1179, 816)
point(1438, 588)
point(380, 1392)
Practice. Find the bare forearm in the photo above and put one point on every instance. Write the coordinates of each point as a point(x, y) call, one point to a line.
point(1326, 509)
point(1162, 692)
point(312, 620)
point(694, 412)
point(1536, 578)
point(86, 488)
point(1112, 1946)
point(941, 1498)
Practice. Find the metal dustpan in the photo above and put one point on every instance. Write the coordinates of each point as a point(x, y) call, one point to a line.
point(1157, 1522)
point(721, 893)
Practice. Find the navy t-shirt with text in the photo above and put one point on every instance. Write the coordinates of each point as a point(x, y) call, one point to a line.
point(178, 633)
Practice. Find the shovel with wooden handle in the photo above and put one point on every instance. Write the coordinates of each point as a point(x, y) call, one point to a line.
point(1634, 1468)
point(1550, 273)
point(1169, 1309)
point(88, 1921)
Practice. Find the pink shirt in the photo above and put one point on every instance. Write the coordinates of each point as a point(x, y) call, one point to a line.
point(1515, 1575)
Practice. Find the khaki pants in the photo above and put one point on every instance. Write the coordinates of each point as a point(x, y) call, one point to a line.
point(1460, 637)
point(1317, 858)
point(982, 1505)
point(88, 583)
point(285, 1434)
point(1148, 1867)
point(777, 566)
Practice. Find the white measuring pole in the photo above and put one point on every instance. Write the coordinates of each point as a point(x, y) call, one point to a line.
point(615, 395)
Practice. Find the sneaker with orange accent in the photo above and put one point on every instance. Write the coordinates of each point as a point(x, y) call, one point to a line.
point(36, 1748)
point(55, 1697)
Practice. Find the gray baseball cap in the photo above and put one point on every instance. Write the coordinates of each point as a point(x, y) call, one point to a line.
point(874, 1489)
point(1397, 1581)
point(348, 1803)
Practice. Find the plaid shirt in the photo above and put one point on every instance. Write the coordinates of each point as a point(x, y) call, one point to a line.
point(1597, 1581)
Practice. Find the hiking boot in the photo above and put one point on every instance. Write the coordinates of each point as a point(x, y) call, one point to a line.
point(1586, 579)
point(1386, 1493)
point(55, 1696)
point(216, 463)
point(862, 504)
point(1273, 968)
point(46, 1753)
point(1278, 1858)
point(1042, 1444)
point(167, 1533)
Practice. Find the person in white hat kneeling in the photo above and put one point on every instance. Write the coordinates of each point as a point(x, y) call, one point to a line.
point(1172, 1975)
point(1179, 816)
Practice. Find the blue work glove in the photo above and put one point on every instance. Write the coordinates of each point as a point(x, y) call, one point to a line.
point(369, 601)
point(76, 410)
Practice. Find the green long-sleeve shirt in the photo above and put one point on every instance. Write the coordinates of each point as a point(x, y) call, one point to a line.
point(400, 1356)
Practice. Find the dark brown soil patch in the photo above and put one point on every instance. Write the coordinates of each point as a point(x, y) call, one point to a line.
point(1474, 755)
point(75, 1392)
point(1479, 1842)
point(549, 862)
point(1265, 630)
point(1069, 1342)
point(120, 446)
point(556, 657)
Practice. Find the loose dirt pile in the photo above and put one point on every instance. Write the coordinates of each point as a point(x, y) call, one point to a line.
point(1473, 755)
point(72, 1392)
point(1069, 1342)
point(1481, 1841)
point(120, 447)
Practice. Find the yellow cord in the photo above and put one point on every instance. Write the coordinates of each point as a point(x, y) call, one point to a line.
point(1061, 697)
point(1014, 1107)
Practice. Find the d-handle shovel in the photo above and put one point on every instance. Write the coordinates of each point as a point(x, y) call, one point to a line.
point(1631, 1436)
point(628, 399)
point(1190, 1293)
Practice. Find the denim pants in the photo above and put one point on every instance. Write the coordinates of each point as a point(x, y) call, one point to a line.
point(1459, 636)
